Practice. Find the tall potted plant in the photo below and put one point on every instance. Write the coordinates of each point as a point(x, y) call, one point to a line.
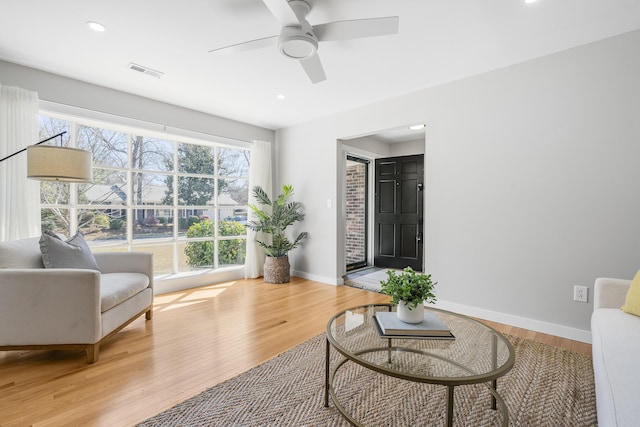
point(273, 218)
point(409, 290)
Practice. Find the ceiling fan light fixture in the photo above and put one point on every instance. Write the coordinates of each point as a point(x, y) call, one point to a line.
point(294, 43)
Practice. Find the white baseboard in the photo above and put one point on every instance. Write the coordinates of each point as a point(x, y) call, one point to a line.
point(322, 279)
point(518, 321)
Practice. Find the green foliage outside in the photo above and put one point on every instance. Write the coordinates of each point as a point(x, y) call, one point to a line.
point(192, 191)
point(200, 254)
point(117, 224)
point(231, 251)
point(48, 225)
point(411, 287)
point(102, 220)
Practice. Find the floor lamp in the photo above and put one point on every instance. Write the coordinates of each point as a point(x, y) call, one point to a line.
point(53, 163)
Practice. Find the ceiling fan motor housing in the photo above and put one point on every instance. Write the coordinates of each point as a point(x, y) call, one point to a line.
point(295, 43)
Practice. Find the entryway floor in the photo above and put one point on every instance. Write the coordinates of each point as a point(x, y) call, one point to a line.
point(368, 278)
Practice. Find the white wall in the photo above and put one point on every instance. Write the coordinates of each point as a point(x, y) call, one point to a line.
point(75, 93)
point(531, 182)
point(374, 148)
point(407, 148)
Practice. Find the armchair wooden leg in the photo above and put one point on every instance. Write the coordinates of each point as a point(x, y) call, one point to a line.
point(92, 352)
point(149, 314)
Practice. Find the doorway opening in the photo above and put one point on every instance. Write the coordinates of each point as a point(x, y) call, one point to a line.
point(387, 231)
point(357, 211)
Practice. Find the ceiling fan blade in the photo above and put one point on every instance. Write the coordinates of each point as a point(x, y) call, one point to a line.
point(313, 67)
point(358, 28)
point(283, 12)
point(245, 46)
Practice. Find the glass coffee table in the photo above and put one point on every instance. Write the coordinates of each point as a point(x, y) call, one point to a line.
point(478, 354)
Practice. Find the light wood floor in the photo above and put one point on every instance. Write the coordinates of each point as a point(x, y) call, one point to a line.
point(196, 339)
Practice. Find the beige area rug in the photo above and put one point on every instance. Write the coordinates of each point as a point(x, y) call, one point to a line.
point(547, 386)
point(368, 279)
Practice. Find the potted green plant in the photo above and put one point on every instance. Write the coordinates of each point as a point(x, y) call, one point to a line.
point(273, 218)
point(409, 290)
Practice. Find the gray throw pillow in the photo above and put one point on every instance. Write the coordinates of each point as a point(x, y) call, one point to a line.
point(73, 253)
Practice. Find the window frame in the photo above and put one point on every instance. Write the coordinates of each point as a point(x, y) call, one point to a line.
point(177, 238)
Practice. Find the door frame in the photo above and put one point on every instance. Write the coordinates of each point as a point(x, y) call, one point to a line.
point(343, 148)
point(368, 247)
point(345, 151)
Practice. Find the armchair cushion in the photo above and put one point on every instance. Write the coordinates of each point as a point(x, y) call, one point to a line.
point(118, 287)
point(72, 253)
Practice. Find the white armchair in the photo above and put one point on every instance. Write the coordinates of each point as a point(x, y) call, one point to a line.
point(68, 308)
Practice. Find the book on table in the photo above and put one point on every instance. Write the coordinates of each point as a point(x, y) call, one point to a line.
point(432, 327)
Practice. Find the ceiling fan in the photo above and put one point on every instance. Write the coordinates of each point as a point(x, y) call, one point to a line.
point(299, 40)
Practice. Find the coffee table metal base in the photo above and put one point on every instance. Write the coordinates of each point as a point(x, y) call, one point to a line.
point(330, 392)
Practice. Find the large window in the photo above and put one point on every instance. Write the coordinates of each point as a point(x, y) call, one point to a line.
point(185, 201)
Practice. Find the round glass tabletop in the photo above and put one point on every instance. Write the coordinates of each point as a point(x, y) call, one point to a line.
point(476, 354)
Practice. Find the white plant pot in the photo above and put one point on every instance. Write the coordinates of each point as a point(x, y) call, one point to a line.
point(407, 315)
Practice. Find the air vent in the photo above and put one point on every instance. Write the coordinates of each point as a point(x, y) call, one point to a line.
point(145, 70)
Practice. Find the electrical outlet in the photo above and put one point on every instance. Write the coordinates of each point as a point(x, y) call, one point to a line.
point(580, 293)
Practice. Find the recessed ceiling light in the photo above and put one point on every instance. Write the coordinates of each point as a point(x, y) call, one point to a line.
point(530, 1)
point(96, 26)
point(417, 127)
point(281, 96)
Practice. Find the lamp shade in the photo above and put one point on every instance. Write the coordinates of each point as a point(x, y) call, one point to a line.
point(51, 163)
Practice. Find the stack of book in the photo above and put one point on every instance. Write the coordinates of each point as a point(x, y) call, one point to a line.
point(389, 326)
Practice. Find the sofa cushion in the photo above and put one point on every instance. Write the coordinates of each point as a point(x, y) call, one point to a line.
point(72, 253)
point(118, 287)
point(616, 345)
point(23, 253)
point(632, 301)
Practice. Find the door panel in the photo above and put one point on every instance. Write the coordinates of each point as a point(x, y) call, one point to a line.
point(388, 197)
point(387, 239)
point(398, 212)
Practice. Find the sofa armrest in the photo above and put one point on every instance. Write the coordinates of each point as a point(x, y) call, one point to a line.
point(126, 262)
point(49, 306)
point(610, 293)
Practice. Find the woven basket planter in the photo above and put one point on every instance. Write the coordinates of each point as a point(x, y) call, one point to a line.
point(276, 270)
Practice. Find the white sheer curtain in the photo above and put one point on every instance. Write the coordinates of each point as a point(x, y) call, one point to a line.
point(19, 196)
point(259, 174)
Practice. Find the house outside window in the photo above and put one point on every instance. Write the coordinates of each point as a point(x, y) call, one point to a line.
point(185, 201)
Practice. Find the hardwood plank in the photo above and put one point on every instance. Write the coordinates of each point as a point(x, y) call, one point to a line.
point(197, 338)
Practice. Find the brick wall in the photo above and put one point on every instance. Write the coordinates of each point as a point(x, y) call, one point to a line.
point(356, 214)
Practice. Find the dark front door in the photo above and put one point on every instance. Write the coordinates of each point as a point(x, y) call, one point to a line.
point(398, 212)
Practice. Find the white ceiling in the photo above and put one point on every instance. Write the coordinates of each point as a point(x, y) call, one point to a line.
point(438, 41)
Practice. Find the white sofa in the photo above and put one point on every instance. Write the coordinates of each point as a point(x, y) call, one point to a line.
point(68, 308)
point(616, 355)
